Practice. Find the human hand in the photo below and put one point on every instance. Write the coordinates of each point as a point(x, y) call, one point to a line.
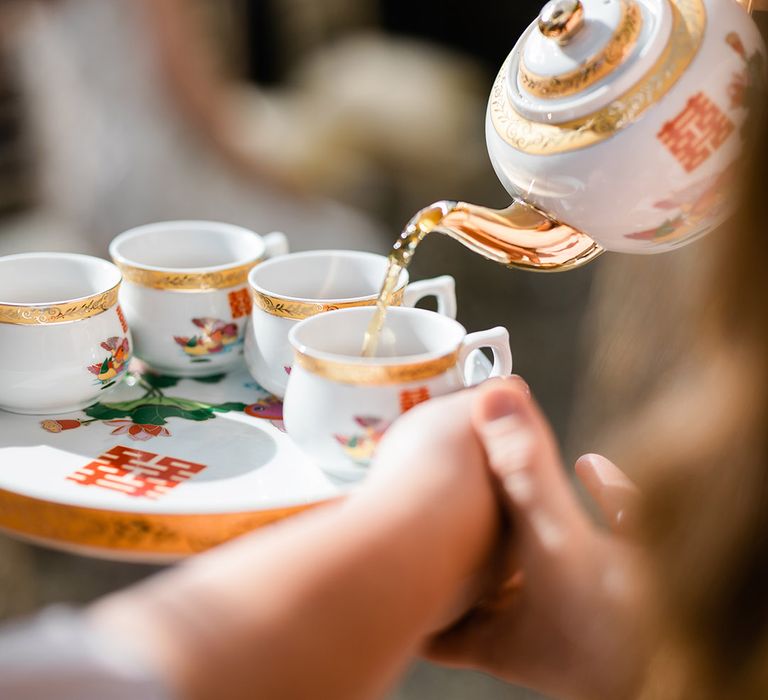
point(566, 619)
point(388, 565)
point(431, 462)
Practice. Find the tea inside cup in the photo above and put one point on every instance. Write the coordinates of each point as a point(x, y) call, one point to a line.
point(408, 334)
point(291, 288)
point(339, 404)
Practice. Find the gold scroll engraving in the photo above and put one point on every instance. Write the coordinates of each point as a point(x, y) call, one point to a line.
point(537, 138)
point(44, 314)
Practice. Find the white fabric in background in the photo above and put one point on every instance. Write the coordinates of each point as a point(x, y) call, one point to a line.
point(57, 655)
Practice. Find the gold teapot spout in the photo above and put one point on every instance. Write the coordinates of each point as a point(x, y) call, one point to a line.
point(519, 236)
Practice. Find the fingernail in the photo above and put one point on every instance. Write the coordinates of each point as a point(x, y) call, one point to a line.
point(521, 383)
point(604, 471)
point(513, 380)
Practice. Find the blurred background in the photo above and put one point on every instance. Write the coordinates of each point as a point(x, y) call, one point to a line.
point(334, 121)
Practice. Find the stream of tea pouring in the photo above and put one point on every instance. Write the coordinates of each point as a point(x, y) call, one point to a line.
point(519, 236)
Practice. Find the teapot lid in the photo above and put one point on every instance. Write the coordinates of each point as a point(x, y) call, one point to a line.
point(581, 54)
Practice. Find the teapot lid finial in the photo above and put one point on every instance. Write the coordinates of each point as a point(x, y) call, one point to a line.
point(561, 19)
point(581, 53)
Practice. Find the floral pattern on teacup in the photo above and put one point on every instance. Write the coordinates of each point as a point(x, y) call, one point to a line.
point(115, 363)
point(361, 447)
point(216, 337)
point(270, 408)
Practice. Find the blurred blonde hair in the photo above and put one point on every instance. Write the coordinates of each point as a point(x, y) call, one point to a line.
point(702, 445)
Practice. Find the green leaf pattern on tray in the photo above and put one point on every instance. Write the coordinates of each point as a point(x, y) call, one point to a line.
point(144, 418)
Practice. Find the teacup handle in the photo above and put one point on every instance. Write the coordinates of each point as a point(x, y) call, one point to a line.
point(497, 339)
point(442, 288)
point(276, 243)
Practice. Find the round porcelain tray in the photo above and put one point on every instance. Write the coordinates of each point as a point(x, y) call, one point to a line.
point(164, 468)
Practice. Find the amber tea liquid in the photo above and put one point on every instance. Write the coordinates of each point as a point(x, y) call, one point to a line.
point(399, 259)
point(519, 236)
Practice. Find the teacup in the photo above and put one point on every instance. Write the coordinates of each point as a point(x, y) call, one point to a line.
point(338, 404)
point(294, 287)
point(185, 292)
point(64, 342)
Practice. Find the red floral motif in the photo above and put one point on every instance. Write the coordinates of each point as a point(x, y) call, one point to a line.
point(56, 426)
point(116, 363)
point(695, 205)
point(270, 408)
point(216, 337)
point(737, 90)
point(137, 431)
point(361, 448)
point(693, 209)
point(734, 41)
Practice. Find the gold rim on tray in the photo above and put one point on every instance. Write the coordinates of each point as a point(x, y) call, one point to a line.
point(120, 532)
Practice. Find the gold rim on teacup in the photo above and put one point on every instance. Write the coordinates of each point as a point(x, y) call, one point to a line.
point(217, 255)
point(64, 312)
point(95, 291)
point(187, 280)
point(376, 373)
point(298, 310)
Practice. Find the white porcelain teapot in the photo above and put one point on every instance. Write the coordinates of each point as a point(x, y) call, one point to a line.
point(616, 125)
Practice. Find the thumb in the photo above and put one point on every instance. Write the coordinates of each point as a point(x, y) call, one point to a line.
point(523, 455)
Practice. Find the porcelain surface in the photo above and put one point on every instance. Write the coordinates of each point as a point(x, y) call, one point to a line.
point(653, 168)
point(421, 355)
point(161, 469)
point(185, 292)
point(293, 287)
point(68, 344)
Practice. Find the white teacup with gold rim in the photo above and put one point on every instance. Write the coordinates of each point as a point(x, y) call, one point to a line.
point(185, 291)
point(64, 341)
point(293, 287)
point(338, 404)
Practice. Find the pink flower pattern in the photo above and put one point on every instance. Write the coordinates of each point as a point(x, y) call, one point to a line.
point(137, 431)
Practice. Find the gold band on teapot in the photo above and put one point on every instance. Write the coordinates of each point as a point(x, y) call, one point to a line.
point(595, 68)
point(299, 310)
point(538, 138)
point(187, 281)
point(48, 314)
